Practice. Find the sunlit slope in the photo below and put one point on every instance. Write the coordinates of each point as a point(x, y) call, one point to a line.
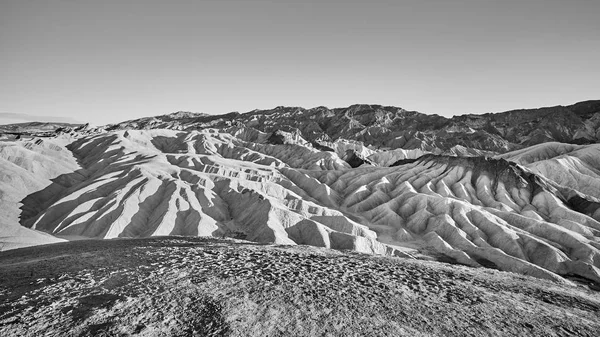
point(575, 167)
point(28, 166)
point(163, 182)
point(474, 210)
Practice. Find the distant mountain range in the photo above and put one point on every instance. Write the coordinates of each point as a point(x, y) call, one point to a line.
point(14, 118)
point(386, 127)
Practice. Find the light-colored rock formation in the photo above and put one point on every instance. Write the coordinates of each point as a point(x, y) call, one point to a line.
point(165, 182)
point(26, 168)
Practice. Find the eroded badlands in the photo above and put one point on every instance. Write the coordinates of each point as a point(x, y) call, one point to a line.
point(533, 211)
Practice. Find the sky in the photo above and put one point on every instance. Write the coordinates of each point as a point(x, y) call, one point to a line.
point(108, 61)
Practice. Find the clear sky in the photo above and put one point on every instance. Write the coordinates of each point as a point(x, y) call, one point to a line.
point(109, 60)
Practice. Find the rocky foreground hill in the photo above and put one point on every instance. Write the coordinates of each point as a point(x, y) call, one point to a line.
point(517, 191)
point(213, 287)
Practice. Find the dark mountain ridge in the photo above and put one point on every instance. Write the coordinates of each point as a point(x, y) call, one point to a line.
point(393, 127)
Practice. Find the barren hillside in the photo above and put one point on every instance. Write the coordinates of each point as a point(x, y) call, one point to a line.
point(210, 287)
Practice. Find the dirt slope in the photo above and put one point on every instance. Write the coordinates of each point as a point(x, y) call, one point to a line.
point(209, 287)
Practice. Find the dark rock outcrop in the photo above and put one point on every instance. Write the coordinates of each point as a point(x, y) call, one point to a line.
point(392, 127)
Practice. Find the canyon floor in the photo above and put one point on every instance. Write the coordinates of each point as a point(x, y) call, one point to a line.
point(183, 286)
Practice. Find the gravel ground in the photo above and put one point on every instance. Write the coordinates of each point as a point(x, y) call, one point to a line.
point(209, 287)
